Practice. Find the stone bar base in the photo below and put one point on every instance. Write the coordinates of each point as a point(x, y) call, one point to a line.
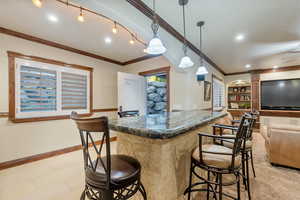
point(165, 162)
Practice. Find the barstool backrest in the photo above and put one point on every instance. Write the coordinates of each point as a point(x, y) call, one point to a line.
point(252, 120)
point(240, 135)
point(93, 130)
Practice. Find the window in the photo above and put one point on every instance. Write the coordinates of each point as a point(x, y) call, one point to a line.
point(218, 94)
point(46, 89)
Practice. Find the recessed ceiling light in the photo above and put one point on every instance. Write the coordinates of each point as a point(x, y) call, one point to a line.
point(107, 40)
point(240, 37)
point(275, 66)
point(52, 18)
point(248, 66)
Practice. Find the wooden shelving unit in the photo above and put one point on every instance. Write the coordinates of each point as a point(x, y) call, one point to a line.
point(239, 97)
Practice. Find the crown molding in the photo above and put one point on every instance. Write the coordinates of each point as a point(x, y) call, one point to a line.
point(68, 48)
point(267, 70)
point(56, 45)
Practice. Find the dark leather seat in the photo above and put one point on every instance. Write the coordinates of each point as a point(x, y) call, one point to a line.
point(124, 169)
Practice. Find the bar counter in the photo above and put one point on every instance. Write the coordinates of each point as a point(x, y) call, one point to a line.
point(163, 144)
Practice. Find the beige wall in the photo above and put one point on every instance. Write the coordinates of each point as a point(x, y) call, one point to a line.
point(26, 139)
point(185, 91)
point(20, 140)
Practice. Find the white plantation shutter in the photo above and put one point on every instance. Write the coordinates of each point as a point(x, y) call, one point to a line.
point(44, 90)
point(74, 91)
point(38, 89)
point(218, 94)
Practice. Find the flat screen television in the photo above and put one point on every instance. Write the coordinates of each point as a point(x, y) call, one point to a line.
point(280, 94)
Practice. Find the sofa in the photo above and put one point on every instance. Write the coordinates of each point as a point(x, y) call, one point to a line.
point(282, 144)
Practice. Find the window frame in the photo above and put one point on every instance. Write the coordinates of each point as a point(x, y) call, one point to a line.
point(15, 59)
point(214, 77)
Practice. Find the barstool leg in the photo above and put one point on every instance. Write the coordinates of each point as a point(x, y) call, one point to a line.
point(243, 170)
point(220, 187)
point(107, 194)
point(238, 184)
point(82, 197)
point(252, 163)
point(190, 182)
point(208, 179)
point(248, 176)
point(217, 178)
point(143, 191)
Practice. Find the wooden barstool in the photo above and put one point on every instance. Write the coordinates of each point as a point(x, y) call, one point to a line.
point(107, 177)
point(217, 160)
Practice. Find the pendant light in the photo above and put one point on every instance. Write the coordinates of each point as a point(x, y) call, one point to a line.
point(185, 61)
point(201, 69)
point(155, 45)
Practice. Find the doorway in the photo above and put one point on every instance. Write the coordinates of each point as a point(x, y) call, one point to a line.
point(157, 90)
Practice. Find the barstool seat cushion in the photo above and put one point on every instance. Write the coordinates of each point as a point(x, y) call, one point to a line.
point(216, 160)
point(230, 142)
point(227, 131)
point(123, 169)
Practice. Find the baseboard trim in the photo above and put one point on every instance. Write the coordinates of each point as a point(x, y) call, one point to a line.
point(29, 159)
point(3, 114)
point(105, 110)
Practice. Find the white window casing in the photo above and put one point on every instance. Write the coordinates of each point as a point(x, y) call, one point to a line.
point(44, 90)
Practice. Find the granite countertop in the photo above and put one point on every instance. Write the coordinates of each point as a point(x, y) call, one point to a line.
point(163, 126)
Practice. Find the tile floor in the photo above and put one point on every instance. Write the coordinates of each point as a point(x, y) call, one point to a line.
point(62, 178)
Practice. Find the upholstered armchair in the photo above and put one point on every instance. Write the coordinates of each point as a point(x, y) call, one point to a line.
point(282, 144)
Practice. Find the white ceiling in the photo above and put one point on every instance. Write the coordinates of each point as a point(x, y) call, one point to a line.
point(23, 16)
point(271, 27)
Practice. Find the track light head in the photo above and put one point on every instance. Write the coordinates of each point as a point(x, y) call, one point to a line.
point(37, 3)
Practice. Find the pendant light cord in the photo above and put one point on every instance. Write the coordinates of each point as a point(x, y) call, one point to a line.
point(201, 59)
point(184, 32)
point(155, 25)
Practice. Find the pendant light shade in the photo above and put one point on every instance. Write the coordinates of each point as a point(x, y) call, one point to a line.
point(201, 69)
point(186, 61)
point(155, 45)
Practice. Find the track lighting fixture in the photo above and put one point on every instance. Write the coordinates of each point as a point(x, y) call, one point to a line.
point(80, 16)
point(37, 3)
point(115, 29)
point(131, 41)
